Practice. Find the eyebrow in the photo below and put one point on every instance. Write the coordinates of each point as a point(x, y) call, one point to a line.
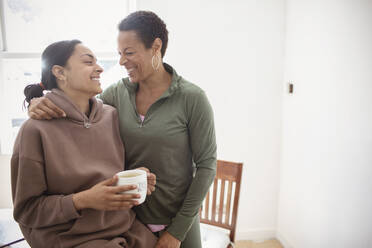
point(89, 55)
point(126, 48)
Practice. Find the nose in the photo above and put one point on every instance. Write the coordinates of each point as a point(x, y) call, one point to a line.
point(122, 60)
point(99, 69)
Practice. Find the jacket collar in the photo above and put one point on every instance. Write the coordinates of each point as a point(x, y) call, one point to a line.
point(59, 98)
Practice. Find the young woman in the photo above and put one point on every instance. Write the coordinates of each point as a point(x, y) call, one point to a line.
point(63, 188)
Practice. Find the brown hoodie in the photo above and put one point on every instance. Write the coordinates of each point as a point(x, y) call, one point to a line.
point(52, 160)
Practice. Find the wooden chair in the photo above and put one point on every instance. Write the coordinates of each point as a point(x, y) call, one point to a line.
point(217, 210)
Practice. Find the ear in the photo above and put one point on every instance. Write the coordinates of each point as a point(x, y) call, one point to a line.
point(59, 72)
point(157, 45)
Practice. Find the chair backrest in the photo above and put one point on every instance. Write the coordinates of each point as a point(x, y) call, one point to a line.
point(220, 206)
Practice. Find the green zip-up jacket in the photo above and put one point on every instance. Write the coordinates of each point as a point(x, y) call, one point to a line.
point(175, 141)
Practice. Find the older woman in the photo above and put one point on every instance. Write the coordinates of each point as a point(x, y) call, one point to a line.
point(166, 124)
point(62, 170)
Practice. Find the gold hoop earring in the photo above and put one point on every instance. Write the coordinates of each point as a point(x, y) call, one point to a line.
point(153, 63)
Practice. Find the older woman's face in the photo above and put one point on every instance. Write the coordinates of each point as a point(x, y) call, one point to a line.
point(134, 56)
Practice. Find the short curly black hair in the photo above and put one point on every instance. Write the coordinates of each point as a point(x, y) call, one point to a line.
point(148, 27)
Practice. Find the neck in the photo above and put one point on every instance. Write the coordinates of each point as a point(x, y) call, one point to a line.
point(80, 100)
point(159, 80)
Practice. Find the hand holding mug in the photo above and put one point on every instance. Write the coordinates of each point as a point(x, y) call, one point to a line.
point(151, 180)
point(105, 196)
point(134, 177)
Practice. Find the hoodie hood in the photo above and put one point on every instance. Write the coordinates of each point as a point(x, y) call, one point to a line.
point(59, 98)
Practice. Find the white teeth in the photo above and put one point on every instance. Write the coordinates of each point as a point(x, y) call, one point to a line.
point(97, 79)
point(130, 70)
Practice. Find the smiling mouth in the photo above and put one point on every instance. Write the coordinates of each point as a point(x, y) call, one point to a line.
point(95, 78)
point(130, 70)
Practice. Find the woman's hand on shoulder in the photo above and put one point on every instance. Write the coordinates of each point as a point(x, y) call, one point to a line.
point(105, 196)
point(151, 180)
point(42, 108)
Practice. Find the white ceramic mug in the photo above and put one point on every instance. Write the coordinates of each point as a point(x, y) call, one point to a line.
point(134, 177)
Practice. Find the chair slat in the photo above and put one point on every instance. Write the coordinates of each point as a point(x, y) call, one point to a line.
point(228, 203)
point(221, 207)
point(214, 199)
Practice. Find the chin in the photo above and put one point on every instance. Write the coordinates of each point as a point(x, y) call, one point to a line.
point(133, 79)
point(97, 91)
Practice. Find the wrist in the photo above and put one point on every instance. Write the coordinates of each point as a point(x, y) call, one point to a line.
point(172, 237)
point(79, 200)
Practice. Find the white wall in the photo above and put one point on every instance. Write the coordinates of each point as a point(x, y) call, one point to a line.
point(234, 51)
point(326, 166)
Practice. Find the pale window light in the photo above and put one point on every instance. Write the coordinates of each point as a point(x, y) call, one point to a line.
point(28, 26)
point(41, 22)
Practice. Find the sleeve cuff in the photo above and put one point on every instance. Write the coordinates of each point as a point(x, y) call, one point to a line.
point(180, 226)
point(68, 209)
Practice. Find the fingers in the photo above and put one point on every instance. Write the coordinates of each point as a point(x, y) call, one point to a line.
point(34, 115)
point(122, 201)
point(109, 182)
point(150, 190)
point(53, 109)
point(43, 108)
point(133, 198)
point(151, 176)
point(33, 103)
point(116, 189)
point(48, 111)
point(122, 188)
point(42, 114)
point(151, 182)
point(125, 197)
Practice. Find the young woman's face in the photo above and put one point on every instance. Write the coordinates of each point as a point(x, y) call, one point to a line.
point(82, 71)
point(134, 56)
